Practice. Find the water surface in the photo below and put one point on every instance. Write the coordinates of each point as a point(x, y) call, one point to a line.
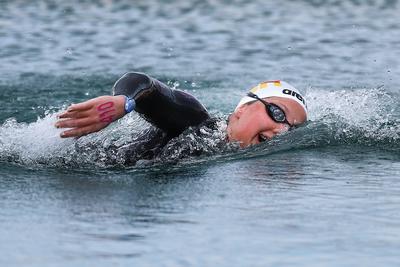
point(325, 194)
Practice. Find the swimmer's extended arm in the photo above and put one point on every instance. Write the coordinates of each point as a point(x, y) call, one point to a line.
point(168, 109)
point(91, 116)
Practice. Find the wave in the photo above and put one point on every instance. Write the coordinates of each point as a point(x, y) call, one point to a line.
point(362, 117)
point(354, 3)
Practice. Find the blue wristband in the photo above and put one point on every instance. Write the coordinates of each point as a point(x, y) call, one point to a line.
point(129, 104)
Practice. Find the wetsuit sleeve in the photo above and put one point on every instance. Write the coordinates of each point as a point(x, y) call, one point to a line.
point(168, 109)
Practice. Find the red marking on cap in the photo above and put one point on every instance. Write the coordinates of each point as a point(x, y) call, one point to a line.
point(277, 81)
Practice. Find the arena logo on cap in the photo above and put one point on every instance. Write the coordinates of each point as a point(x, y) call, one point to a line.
point(294, 93)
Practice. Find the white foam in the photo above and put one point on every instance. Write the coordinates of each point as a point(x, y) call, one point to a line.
point(31, 141)
point(373, 111)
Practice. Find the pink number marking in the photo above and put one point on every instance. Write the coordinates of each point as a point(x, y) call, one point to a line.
point(107, 119)
point(105, 106)
point(106, 111)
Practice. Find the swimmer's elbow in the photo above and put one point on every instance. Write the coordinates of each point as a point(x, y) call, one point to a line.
point(131, 84)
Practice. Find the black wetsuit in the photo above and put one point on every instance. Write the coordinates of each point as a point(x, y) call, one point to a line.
point(170, 111)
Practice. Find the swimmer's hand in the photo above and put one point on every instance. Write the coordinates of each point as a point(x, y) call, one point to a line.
point(91, 116)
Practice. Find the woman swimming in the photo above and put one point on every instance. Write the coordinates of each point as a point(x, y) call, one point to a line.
point(270, 108)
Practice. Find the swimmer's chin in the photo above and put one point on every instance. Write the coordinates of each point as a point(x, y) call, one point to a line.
point(239, 143)
point(232, 140)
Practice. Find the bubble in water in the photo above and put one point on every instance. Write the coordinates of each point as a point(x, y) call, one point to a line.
point(175, 85)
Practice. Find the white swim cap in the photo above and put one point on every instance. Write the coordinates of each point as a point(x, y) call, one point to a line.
point(275, 88)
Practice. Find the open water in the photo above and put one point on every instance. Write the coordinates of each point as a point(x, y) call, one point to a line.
point(326, 194)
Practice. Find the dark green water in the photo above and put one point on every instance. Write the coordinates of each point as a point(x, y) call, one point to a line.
point(327, 194)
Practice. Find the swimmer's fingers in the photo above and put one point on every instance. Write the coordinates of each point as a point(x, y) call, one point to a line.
point(79, 110)
point(76, 123)
point(82, 106)
point(91, 116)
point(100, 103)
point(78, 132)
point(74, 114)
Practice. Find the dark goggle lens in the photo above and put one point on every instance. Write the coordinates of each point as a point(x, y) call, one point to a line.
point(273, 111)
point(276, 113)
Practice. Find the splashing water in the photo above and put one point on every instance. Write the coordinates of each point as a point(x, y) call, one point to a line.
point(29, 143)
point(362, 114)
point(367, 117)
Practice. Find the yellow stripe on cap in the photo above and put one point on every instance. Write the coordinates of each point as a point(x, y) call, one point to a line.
point(255, 89)
point(264, 85)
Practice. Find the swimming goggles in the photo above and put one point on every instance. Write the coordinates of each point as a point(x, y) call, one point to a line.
point(273, 111)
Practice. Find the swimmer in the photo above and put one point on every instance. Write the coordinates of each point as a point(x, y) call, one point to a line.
point(269, 109)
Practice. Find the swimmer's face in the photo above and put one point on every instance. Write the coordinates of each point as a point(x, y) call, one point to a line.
point(250, 124)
